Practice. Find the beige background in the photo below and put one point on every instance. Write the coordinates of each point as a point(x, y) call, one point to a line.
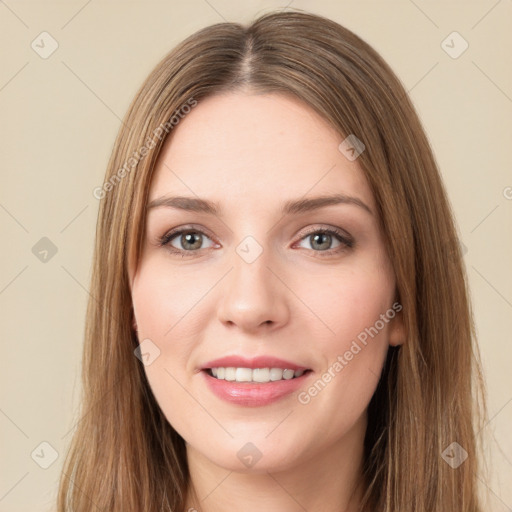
point(60, 116)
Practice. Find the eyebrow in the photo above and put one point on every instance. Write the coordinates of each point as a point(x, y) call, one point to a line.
point(298, 206)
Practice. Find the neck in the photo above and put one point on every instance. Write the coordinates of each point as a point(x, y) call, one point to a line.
point(330, 481)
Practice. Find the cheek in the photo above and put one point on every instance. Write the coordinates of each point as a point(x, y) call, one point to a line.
point(352, 338)
point(161, 303)
point(162, 299)
point(348, 302)
point(163, 307)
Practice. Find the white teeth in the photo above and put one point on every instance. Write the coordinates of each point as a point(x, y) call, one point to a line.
point(261, 375)
point(230, 374)
point(254, 375)
point(276, 374)
point(243, 375)
point(288, 374)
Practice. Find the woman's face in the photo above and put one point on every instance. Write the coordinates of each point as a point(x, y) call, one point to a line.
point(273, 279)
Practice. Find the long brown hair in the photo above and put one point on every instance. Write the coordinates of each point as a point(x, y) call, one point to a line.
point(125, 456)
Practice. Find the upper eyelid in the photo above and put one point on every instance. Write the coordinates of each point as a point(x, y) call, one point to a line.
point(183, 229)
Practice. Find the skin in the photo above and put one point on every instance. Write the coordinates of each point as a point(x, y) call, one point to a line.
point(250, 153)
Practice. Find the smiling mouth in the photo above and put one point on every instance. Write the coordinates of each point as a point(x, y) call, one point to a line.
point(254, 375)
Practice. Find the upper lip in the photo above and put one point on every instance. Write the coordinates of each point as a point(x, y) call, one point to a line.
point(253, 362)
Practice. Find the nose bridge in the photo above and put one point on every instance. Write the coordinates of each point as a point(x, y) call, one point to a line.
point(252, 295)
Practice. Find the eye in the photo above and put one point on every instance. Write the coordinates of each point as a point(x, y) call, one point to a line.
point(184, 240)
point(320, 240)
point(190, 240)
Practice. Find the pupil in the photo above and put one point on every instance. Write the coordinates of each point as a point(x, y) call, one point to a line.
point(320, 235)
point(190, 236)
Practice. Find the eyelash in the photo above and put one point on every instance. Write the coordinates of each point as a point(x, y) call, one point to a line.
point(346, 241)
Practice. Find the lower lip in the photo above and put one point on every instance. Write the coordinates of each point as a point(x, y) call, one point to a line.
point(253, 394)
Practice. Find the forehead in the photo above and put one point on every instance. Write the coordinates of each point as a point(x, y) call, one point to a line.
point(266, 147)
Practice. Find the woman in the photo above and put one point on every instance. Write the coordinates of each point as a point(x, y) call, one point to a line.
point(279, 316)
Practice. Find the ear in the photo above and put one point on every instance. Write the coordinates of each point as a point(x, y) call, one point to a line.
point(397, 334)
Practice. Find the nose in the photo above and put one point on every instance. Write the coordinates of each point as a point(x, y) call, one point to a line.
point(252, 296)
